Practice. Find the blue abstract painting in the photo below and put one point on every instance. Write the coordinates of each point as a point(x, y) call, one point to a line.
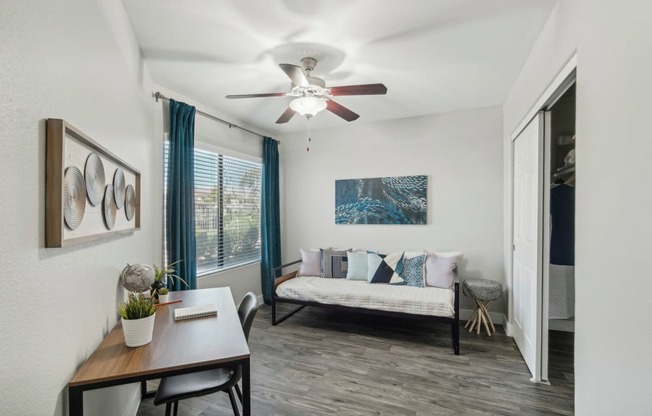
point(390, 200)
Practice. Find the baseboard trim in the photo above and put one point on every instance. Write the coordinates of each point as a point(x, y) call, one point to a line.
point(565, 325)
point(508, 328)
point(498, 318)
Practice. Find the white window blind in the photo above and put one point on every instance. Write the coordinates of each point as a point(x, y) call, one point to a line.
point(227, 210)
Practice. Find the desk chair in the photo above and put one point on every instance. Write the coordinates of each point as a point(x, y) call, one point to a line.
point(175, 388)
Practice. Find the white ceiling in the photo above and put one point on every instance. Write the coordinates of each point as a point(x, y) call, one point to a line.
point(434, 56)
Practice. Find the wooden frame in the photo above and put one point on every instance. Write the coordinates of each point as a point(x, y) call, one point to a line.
point(453, 321)
point(64, 143)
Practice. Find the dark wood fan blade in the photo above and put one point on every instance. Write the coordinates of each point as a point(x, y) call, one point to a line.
point(365, 89)
point(341, 111)
point(269, 94)
point(286, 116)
point(296, 74)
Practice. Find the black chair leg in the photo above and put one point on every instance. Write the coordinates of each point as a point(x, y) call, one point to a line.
point(168, 407)
point(234, 404)
point(176, 407)
point(238, 391)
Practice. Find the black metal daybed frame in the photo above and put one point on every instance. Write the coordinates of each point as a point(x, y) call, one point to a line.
point(454, 321)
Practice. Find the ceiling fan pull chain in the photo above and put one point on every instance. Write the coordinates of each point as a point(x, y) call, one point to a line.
point(309, 134)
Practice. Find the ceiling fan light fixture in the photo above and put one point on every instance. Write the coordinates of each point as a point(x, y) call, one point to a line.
point(308, 106)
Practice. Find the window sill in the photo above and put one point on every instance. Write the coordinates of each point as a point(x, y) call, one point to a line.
point(227, 269)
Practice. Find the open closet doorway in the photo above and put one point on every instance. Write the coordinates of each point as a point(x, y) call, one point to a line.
point(559, 236)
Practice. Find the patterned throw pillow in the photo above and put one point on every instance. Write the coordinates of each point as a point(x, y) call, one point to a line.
point(333, 263)
point(413, 271)
point(385, 269)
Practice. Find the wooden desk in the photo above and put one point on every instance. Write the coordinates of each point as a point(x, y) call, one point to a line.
point(176, 348)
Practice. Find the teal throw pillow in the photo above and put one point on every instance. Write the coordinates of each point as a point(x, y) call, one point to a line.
point(357, 265)
point(413, 271)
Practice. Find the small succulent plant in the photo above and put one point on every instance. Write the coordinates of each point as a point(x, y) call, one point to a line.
point(163, 291)
point(136, 307)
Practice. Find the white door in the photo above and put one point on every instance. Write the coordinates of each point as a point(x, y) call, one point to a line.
point(527, 239)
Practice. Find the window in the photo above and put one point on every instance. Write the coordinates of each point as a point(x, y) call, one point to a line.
point(227, 210)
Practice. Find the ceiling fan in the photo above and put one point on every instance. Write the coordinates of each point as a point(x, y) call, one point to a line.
point(312, 95)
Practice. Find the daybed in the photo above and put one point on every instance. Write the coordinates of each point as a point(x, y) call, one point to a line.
point(421, 303)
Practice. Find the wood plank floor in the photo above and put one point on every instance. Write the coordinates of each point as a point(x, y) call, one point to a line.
point(321, 362)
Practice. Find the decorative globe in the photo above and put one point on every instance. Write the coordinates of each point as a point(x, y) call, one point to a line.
point(137, 277)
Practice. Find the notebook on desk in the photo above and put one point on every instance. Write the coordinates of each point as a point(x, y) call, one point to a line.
point(192, 312)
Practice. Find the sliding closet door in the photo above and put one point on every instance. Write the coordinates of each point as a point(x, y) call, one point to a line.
point(527, 240)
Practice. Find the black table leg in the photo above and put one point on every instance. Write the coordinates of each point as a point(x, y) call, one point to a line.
point(246, 389)
point(75, 401)
point(144, 393)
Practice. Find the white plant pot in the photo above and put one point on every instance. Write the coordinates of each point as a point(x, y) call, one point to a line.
point(163, 298)
point(138, 331)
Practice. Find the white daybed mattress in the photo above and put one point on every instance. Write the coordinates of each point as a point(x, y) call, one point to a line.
point(429, 301)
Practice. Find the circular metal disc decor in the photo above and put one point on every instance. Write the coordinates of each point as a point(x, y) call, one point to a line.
point(130, 202)
point(94, 175)
point(74, 197)
point(119, 188)
point(109, 208)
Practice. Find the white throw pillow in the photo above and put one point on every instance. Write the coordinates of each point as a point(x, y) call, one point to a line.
point(440, 267)
point(310, 263)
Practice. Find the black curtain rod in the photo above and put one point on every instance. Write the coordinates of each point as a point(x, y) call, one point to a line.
point(158, 96)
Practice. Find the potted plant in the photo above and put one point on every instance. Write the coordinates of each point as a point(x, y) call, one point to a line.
point(160, 273)
point(163, 295)
point(137, 320)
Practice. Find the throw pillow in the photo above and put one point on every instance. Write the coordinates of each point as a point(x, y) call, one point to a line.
point(413, 269)
point(385, 269)
point(440, 268)
point(310, 263)
point(357, 265)
point(410, 254)
point(333, 263)
point(373, 262)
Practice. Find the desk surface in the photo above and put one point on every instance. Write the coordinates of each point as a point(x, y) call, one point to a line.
point(175, 345)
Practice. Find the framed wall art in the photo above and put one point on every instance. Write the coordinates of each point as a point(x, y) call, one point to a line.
point(89, 192)
point(388, 200)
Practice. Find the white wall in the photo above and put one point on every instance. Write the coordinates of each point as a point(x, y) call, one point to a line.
point(232, 141)
point(555, 46)
point(459, 152)
point(613, 203)
point(72, 60)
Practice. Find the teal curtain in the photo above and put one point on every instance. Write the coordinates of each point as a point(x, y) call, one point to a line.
point(180, 201)
point(270, 220)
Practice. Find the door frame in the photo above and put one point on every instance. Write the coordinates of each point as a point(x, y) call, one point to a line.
point(564, 79)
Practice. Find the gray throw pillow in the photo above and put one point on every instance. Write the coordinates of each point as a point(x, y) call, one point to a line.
point(333, 263)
